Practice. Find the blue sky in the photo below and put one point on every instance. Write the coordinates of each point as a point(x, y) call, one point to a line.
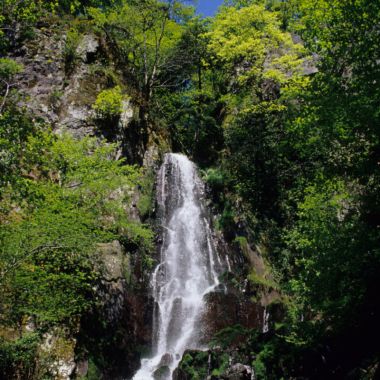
point(208, 7)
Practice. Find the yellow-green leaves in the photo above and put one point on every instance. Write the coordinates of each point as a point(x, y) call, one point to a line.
point(99, 18)
point(9, 68)
point(109, 103)
point(250, 42)
point(143, 35)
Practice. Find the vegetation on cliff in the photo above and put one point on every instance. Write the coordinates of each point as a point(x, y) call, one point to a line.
point(278, 102)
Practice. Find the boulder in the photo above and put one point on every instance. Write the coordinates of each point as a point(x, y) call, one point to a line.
point(239, 372)
point(161, 373)
point(166, 360)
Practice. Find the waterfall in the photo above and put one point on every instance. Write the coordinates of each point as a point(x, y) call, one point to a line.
point(188, 268)
point(265, 320)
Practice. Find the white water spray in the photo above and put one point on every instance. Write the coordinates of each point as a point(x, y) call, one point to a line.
point(266, 320)
point(188, 269)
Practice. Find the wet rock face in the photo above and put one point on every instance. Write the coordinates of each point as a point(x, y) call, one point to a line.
point(229, 309)
point(118, 329)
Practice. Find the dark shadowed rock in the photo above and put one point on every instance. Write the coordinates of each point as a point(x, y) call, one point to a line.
point(166, 360)
point(161, 373)
point(224, 310)
point(82, 368)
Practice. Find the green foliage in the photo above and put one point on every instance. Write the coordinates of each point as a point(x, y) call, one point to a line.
point(66, 204)
point(194, 365)
point(16, 14)
point(15, 127)
point(108, 104)
point(189, 116)
point(223, 365)
point(228, 337)
point(18, 18)
point(226, 221)
point(214, 178)
point(78, 6)
point(266, 354)
point(146, 200)
point(293, 158)
point(70, 55)
point(242, 38)
point(9, 68)
point(18, 356)
point(143, 35)
point(325, 242)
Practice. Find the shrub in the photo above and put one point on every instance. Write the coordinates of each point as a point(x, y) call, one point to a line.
point(108, 104)
point(18, 356)
point(70, 50)
point(214, 178)
point(9, 68)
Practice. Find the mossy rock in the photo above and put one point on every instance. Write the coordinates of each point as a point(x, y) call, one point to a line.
point(161, 373)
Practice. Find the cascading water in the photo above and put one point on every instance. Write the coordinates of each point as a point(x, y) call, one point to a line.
point(265, 320)
point(188, 269)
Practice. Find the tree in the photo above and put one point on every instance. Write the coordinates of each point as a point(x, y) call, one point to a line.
point(142, 35)
point(48, 257)
point(261, 66)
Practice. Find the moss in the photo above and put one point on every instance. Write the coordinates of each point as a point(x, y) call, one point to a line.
point(226, 221)
point(261, 280)
point(110, 75)
point(229, 336)
point(242, 242)
point(64, 348)
point(55, 97)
